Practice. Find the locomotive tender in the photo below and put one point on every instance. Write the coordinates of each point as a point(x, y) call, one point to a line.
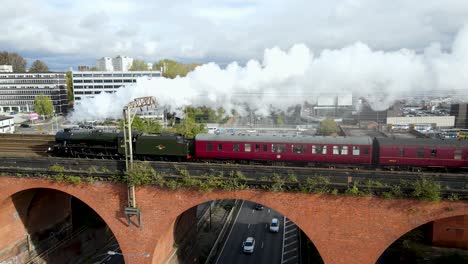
point(268, 149)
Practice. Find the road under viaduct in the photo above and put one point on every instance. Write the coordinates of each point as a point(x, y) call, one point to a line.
point(344, 229)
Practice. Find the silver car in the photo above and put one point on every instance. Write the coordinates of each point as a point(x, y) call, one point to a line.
point(248, 245)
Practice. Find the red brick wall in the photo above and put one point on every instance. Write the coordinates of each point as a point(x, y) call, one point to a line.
point(344, 229)
point(451, 232)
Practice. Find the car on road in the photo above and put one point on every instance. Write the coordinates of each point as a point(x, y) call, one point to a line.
point(274, 225)
point(25, 125)
point(258, 207)
point(248, 245)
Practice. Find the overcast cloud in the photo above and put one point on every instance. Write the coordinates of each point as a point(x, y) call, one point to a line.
point(66, 33)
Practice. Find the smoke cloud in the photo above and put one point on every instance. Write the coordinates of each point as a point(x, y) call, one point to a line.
point(286, 78)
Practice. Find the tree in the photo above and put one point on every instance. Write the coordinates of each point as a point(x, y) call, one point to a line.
point(328, 127)
point(70, 86)
point(43, 105)
point(13, 59)
point(172, 69)
point(145, 125)
point(138, 65)
point(93, 68)
point(39, 66)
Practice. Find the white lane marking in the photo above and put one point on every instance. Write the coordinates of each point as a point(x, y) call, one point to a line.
point(268, 210)
point(290, 243)
point(262, 244)
point(266, 226)
point(230, 231)
point(253, 211)
point(289, 251)
point(282, 248)
point(286, 260)
point(248, 226)
point(292, 230)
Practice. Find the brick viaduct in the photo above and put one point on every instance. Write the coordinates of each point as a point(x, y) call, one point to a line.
point(344, 229)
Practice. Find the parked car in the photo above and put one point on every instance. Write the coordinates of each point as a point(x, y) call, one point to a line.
point(259, 207)
point(274, 225)
point(25, 125)
point(248, 245)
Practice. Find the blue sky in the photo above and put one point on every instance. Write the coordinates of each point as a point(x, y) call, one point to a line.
point(68, 33)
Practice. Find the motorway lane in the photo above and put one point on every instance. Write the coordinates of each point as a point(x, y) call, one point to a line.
point(251, 222)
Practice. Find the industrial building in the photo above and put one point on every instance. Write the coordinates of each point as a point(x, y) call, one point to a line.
point(460, 111)
point(18, 91)
point(436, 121)
point(90, 83)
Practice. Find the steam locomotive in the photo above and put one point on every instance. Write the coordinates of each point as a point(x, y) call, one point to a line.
point(297, 150)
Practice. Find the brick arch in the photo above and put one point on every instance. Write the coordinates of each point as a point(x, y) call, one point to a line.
point(189, 198)
point(12, 186)
point(419, 222)
point(344, 229)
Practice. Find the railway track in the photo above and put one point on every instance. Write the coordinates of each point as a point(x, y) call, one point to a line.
point(255, 172)
point(25, 145)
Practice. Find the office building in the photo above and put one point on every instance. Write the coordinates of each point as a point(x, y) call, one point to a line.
point(18, 91)
point(122, 63)
point(104, 64)
point(88, 84)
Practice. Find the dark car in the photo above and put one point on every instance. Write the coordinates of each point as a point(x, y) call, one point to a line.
point(259, 207)
point(25, 125)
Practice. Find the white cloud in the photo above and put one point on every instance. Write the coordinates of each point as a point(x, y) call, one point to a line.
point(223, 29)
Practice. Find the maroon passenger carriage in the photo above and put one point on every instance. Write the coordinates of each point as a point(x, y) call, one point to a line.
point(422, 152)
point(284, 149)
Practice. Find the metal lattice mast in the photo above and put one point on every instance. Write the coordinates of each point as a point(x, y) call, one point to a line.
point(129, 113)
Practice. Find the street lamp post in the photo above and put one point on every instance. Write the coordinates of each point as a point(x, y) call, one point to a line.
point(112, 253)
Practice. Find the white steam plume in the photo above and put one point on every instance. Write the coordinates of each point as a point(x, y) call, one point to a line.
point(287, 78)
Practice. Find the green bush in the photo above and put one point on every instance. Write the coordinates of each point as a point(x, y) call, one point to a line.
point(143, 174)
point(353, 190)
point(426, 189)
point(56, 168)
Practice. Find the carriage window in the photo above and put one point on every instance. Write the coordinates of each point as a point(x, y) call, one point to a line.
point(298, 148)
point(365, 151)
point(257, 147)
point(247, 147)
point(355, 151)
point(344, 150)
point(458, 154)
point(402, 152)
point(265, 148)
point(336, 150)
point(209, 146)
point(279, 148)
point(433, 152)
point(420, 152)
point(235, 147)
point(319, 149)
point(220, 146)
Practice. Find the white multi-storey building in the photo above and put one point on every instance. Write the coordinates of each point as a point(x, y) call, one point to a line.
point(90, 83)
point(18, 91)
point(104, 64)
point(7, 124)
point(122, 63)
point(6, 68)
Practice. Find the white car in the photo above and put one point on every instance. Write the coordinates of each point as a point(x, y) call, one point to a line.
point(274, 226)
point(248, 245)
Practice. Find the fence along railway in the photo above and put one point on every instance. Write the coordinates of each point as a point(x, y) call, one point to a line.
point(25, 145)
